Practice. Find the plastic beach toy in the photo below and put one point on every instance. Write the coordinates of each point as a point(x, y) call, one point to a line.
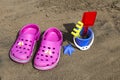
point(68, 49)
point(84, 43)
point(76, 31)
point(84, 37)
point(88, 20)
point(48, 54)
point(22, 49)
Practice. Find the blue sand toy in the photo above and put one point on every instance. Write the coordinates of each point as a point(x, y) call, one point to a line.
point(68, 49)
point(84, 43)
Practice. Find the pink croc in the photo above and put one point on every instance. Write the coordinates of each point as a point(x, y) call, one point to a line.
point(48, 54)
point(22, 49)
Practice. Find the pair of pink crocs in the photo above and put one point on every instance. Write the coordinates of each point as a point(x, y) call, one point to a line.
point(48, 54)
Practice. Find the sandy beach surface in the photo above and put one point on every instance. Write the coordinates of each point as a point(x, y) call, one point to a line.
point(100, 62)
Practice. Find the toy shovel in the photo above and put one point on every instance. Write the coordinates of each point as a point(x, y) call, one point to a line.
point(88, 20)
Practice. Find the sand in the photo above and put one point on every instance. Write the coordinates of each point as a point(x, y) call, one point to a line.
point(100, 62)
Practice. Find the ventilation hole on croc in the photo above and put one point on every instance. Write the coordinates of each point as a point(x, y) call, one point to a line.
point(27, 56)
point(42, 50)
point(43, 46)
point(46, 59)
point(30, 41)
point(25, 44)
point(13, 54)
point(46, 55)
point(41, 54)
point(54, 48)
point(53, 52)
point(37, 54)
point(28, 49)
point(24, 48)
point(29, 45)
point(85, 47)
point(41, 59)
point(20, 51)
point(25, 52)
point(16, 46)
point(48, 47)
point(56, 59)
point(52, 62)
point(51, 56)
point(47, 65)
point(37, 57)
point(26, 40)
point(20, 47)
point(44, 38)
point(22, 39)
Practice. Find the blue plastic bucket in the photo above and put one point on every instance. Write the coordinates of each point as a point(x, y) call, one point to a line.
point(85, 41)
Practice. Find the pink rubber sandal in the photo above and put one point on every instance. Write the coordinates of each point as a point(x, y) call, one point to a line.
point(22, 49)
point(48, 54)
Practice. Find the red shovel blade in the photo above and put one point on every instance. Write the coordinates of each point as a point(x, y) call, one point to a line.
point(88, 20)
